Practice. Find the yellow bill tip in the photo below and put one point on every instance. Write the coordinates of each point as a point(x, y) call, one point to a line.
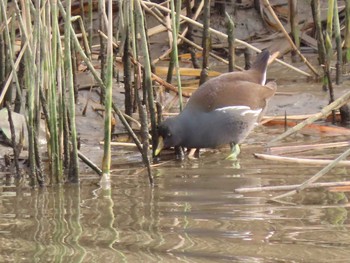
point(160, 146)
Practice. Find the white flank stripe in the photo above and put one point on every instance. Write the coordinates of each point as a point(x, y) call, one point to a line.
point(244, 110)
point(264, 79)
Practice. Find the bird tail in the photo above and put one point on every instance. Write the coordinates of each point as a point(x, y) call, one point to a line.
point(260, 63)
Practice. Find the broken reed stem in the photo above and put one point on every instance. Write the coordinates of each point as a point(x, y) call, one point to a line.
point(73, 173)
point(90, 23)
point(314, 178)
point(31, 70)
point(89, 163)
point(175, 57)
point(324, 45)
point(293, 21)
point(189, 35)
point(63, 112)
point(54, 95)
point(285, 33)
point(337, 36)
point(147, 91)
point(230, 39)
point(102, 54)
point(18, 102)
point(133, 53)
point(329, 29)
point(176, 27)
point(128, 99)
point(223, 35)
point(316, 13)
point(83, 35)
point(171, 65)
point(106, 161)
point(329, 50)
point(147, 83)
point(346, 48)
point(38, 82)
point(323, 113)
point(145, 139)
point(142, 109)
point(205, 42)
point(288, 187)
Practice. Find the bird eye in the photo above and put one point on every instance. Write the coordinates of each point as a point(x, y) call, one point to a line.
point(169, 134)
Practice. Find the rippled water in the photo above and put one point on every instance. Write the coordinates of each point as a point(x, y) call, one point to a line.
point(191, 215)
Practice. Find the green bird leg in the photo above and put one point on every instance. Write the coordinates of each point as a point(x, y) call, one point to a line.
point(235, 151)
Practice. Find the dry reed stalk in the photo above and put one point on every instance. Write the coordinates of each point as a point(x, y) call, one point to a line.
point(187, 41)
point(230, 39)
point(184, 32)
point(325, 170)
point(290, 117)
point(323, 113)
point(223, 35)
point(305, 147)
point(286, 35)
point(294, 160)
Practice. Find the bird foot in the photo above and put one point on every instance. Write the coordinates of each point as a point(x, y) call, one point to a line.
point(235, 151)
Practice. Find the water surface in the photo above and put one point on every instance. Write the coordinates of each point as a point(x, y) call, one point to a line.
point(192, 214)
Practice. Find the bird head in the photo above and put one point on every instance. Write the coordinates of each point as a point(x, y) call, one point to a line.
point(168, 133)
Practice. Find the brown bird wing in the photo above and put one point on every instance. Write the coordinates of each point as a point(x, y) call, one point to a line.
point(224, 91)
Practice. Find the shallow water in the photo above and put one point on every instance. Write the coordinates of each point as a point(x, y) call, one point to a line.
point(191, 215)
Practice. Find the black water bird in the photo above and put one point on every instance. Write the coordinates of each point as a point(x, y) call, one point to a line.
point(223, 110)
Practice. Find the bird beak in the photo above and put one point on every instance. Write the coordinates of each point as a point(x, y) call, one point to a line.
point(160, 146)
